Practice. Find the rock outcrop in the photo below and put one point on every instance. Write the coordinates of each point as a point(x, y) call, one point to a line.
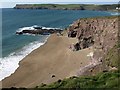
point(101, 33)
point(40, 31)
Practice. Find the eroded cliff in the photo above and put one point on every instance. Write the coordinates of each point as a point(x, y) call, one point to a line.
point(102, 34)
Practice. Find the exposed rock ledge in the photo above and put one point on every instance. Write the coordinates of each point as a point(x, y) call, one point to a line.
point(101, 33)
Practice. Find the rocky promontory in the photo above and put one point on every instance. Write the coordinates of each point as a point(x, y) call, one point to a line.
point(100, 33)
point(111, 7)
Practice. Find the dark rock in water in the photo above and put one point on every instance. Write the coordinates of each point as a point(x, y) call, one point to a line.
point(39, 30)
point(31, 31)
point(19, 33)
point(46, 34)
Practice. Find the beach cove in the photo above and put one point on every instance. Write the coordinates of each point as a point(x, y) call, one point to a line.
point(53, 58)
point(15, 48)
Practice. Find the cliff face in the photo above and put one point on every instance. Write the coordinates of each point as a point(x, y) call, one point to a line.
point(101, 33)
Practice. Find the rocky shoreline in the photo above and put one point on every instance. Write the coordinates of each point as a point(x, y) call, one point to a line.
point(40, 30)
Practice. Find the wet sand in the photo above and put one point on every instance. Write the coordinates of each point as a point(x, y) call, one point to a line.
point(52, 59)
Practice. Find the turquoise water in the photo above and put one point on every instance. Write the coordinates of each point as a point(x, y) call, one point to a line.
point(16, 47)
point(14, 19)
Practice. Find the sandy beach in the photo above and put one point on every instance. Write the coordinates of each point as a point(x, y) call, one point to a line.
point(52, 59)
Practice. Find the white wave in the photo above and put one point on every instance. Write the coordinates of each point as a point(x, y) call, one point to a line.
point(49, 28)
point(32, 28)
point(26, 28)
point(8, 65)
point(116, 13)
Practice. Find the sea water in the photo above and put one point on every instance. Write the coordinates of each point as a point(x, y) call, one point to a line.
point(16, 47)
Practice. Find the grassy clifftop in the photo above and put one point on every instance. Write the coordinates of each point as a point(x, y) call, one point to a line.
point(111, 7)
point(109, 79)
point(102, 80)
point(106, 79)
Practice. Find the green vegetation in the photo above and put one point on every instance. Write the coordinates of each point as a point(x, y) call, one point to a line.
point(108, 79)
point(59, 6)
point(112, 57)
point(102, 80)
point(111, 7)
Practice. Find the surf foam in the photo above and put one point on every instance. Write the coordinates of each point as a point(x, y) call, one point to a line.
point(115, 13)
point(8, 65)
point(33, 28)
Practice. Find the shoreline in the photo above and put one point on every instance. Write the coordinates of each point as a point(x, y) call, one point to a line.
point(17, 57)
point(47, 60)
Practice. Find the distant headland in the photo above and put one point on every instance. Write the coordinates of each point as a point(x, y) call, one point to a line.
point(110, 7)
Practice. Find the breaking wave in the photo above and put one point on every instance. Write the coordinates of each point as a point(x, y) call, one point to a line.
point(34, 28)
point(9, 64)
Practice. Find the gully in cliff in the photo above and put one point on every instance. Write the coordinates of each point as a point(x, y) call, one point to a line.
point(39, 30)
